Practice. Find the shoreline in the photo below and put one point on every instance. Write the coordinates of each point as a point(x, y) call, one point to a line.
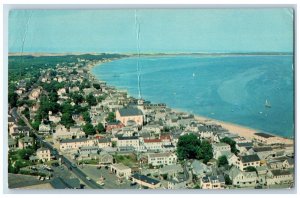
point(233, 128)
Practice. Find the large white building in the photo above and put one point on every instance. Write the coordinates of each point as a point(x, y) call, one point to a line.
point(128, 142)
point(157, 159)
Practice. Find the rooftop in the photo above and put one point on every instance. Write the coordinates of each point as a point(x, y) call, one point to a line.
point(120, 166)
point(280, 172)
point(264, 135)
point(262, 149)
point(145, 179)
point(130, 112)
point(250, 158)
point(73, 140)
point(128, 138)
point(159, 155)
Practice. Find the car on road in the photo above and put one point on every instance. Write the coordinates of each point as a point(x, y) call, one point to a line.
point(73, 165)
point(133, 183)
point(89, 179)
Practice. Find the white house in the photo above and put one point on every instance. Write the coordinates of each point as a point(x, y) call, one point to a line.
point(241, 178)
point(157, 159)
point(43, 154)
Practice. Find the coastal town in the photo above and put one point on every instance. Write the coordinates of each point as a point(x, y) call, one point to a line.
point(69, 130)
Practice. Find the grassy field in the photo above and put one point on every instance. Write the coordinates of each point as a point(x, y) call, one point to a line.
point(127, 160)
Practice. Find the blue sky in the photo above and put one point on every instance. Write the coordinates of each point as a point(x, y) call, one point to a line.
point(161, 30)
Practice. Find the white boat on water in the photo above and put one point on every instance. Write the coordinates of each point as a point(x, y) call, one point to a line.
point(268, 104)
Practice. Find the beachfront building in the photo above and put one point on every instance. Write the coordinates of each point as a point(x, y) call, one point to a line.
point(145, 181)
point(130, 114)
point(247, 160)
point(157, 159)
point(212, 182)
point(43, 154)
point(120, 170)
point(267, 138)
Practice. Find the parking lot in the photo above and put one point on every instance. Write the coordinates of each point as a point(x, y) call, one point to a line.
point(111, 181)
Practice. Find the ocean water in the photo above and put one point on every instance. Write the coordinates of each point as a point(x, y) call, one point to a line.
point(228, 88)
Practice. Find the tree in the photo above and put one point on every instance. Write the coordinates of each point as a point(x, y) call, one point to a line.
point(228, 181)
point(96, 86)
point(232, 144)
point(91, 100)
point(205, 151)
point(26, 113)
point(111, 117)
point(100, 128)
point(25, 153)
point(86, 116)
point(89, 129)
point(21, 122)
point(12, 99)
point(77, 97)
point(67, 120)
point(222, 161)
point(188, 146)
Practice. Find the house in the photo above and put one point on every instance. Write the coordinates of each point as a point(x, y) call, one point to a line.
point(281, 163)
point(212, 182)
point(105, 158)
point(88, 151)
point(61, 91)
point(128, 143)
point(104, 143)
point(279, 177)
point(145, 181)
point(120, 170)
point(25, 142)
point(12, 144)
point(43, 154)
point(113, 125)
point(241, 178)
point(74, 144)
point(34, 94)
point(44, 128)
point(263, 152)
point(176, 183)
point(130, 114)
point(157, 159)
point(171, 170)
point(221, 147)
point(153, 144)
point(267, 138)
point(200, 169)
point(244, 147)
point(54, 118)
point(247, 160)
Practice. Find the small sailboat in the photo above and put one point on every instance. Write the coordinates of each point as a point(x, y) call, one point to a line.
point(267, 104)
point(194, 75)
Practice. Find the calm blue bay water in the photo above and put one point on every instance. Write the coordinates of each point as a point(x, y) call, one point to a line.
point(229, 88)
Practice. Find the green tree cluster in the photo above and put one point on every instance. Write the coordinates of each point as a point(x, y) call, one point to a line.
point(189, 146)
point(222, 161)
